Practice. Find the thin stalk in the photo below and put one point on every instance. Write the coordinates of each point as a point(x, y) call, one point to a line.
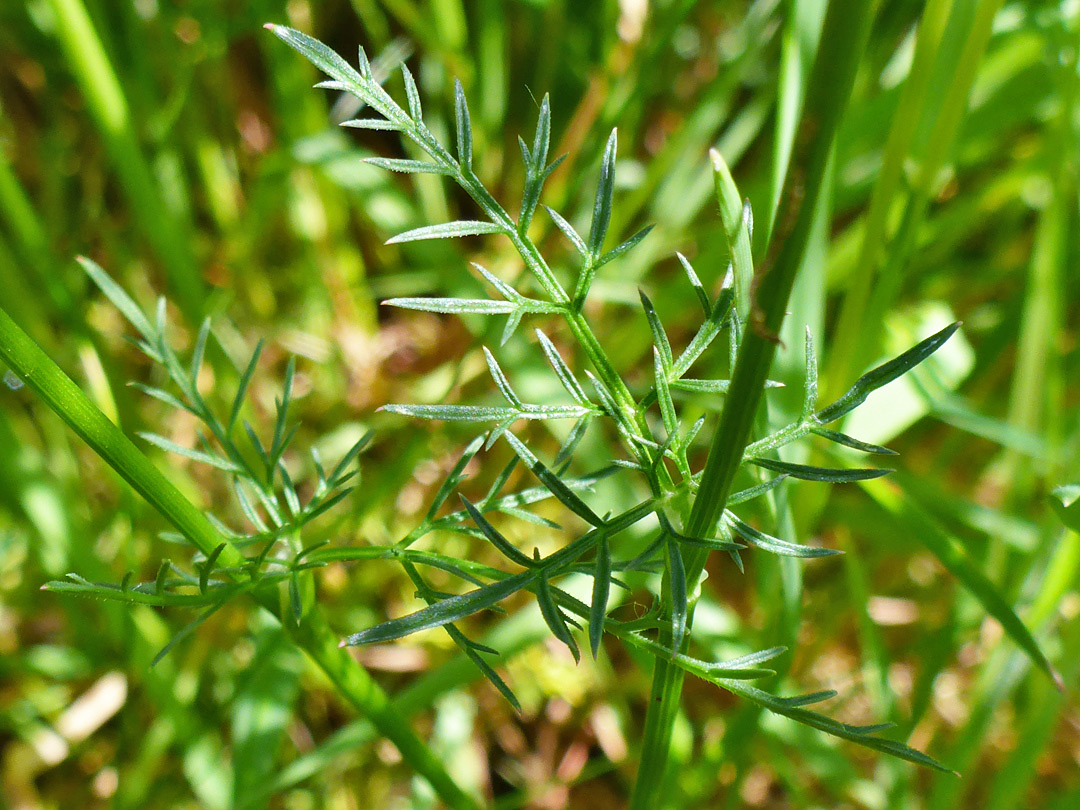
point(844, 36)
point(109, 108)
point(313, 634)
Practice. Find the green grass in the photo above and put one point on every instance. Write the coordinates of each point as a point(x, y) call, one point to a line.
point(184, 150)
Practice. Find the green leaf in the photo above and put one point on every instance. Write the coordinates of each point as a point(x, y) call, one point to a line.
point(119, 299)
point(339, 469)
point(163, 396)
point(483, 413)
point(810, 384)
point(1066, 503)
point(207, 567)
point(199, 350)
point(501, 382)
point(695, 282)
point(554, 617)
point(454, 477)
point(463, 128)
point(625, 247)
point(568, 230)
point(455, 306)
point(534, 165)
point(702, 386)
point(577, 432)
point(324, 58)
point(187, 452)
point(605, 191)
point(473, 650)
point(408, 167)
point(161, 582)
point(884, 374)
point(380, 124)
point(412, 95)
point(542, 138)
point(241, 389)
point(775, 545)
point(851, 441)
point(562, 371)
point(807, 473)
point(790, 708)
point(563, 493)
point(280, 441)
point(504, 289)
point(663, 396)
point(755, 491)
point(494, 537)
point(447, 230)
point(600, 592)
point(448, 610)
point(660, 340)
point(187, 630)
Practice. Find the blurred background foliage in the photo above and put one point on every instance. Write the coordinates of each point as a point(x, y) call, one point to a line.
point(181, 146)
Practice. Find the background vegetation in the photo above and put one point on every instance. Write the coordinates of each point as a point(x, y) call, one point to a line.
point(182, 147)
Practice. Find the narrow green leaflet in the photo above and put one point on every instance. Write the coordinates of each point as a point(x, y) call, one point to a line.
point(323, 57)
point(380, 124)
point(454, 477)
point(187, 452)
point(403, 166)
point(622, 248)
point(698, 287)
point(118, 298)
point(568, 230)
point(810, 383)
point(851, 441)
point(828, 474)
point(505, 547)
point(660, 340)
point(447, 230)
point(562, 371)
point(605, 192)
point(558, 488)
point(766, 542)
point(463, 128)
point(451, 609)
point(481, 413)
point(860, 735)
point(600, 592)
point(453, 306)
point(554, 617)
point(241, 390)
point(412, 95)
point(501, 382)
point(663, 396)
point(884, 374)
point(535, 161)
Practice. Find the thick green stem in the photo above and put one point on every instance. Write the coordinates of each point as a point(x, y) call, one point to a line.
point(313, 634)
point(846, 29)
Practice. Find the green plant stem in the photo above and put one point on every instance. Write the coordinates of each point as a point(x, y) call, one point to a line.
point(844, 36)
point(109, 108)
point(313, 634)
